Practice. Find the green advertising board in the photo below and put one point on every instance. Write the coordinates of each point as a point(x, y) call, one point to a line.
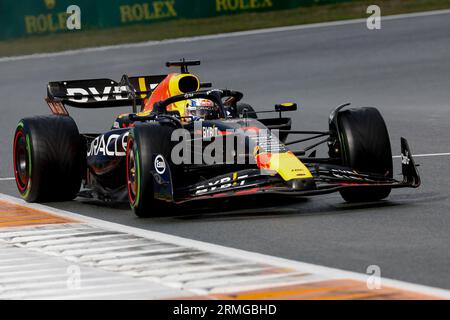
point(33, 17)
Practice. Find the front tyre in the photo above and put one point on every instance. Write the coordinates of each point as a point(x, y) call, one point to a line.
point(48, 158)
point(149, 150)
point(365, 147)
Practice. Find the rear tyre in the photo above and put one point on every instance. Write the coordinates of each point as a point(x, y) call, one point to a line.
point(48, 155)
point(365, 147)
point(145, 143)
point(244, 108)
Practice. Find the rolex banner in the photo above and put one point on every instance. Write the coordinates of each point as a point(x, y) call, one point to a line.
point(35, 17)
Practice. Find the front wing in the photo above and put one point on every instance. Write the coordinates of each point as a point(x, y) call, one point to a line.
point(326, 178)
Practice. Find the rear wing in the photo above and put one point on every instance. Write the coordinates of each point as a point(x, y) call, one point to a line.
point(107, 93)
point(100, 93)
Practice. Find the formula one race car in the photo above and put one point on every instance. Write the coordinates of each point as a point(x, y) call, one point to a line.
point(188, 142)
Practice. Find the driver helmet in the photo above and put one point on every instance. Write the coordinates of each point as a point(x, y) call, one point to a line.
point(201, 109)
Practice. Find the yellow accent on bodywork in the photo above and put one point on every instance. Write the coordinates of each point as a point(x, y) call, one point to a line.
point(143, 113)
point(174, 90)
point(288, 166)
point(142, 87)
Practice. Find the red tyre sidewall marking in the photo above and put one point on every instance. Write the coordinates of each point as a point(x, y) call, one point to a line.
point(130, 195)
point(16, 176)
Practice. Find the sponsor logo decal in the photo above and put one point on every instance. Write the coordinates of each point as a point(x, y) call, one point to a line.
point(154, 10)
point(242, 5)
point(160, 164)
point(51, 21)
point(210, 132)
point(113, 145)
point(82, 95)
point(223, 183)
point(99, 93)
point(405, 158)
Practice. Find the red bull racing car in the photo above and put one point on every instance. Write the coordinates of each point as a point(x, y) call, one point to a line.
point(184, 141)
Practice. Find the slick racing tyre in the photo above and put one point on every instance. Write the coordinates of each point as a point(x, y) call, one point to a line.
point(243, 108)
point(48, 155)
point(148, 158)
point(365, 147)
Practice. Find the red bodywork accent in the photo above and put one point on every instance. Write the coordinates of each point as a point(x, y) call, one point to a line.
point(57, 107)
point(248, 191)
point(161, 92)
point(263, 160)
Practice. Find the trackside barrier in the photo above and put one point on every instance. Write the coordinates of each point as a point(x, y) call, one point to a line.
point(33, 17)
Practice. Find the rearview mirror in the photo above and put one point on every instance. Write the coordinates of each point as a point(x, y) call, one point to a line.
point(287, 106)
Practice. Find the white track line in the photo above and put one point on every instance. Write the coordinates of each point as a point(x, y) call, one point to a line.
point(219, 36)
point(426, 155)
point(241, 254)
point(7, 179)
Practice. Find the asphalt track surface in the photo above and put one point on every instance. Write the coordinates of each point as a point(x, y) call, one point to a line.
point(403, 69)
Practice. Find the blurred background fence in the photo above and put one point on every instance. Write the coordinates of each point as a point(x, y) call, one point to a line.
point(20, 18)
